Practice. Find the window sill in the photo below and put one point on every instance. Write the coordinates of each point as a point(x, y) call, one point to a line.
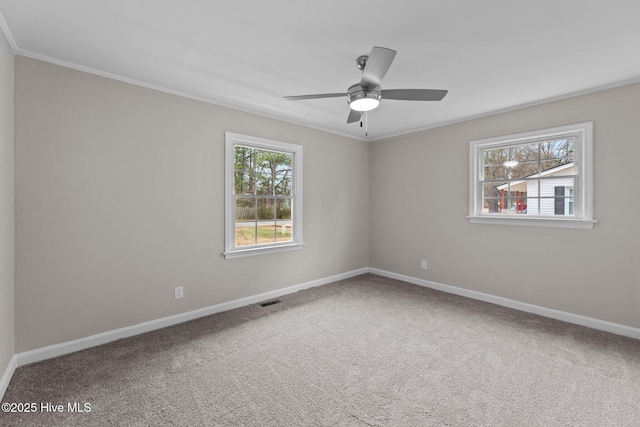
point(533, 222)
point(240, 253)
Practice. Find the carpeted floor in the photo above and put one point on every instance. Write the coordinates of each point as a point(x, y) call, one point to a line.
point(367, 351)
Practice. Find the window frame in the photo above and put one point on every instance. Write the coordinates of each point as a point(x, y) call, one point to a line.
point(231, 140)
point(583, 189)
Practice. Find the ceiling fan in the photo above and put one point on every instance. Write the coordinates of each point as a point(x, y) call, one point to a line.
point(366, 95)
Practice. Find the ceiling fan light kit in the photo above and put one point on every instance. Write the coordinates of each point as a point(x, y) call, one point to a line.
point(361, 99)
point(366, 95)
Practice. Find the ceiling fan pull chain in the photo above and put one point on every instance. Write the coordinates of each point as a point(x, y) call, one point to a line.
point(366, 124)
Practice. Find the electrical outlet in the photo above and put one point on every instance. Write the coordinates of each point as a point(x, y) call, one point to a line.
point(179, 292)
point(424, 264)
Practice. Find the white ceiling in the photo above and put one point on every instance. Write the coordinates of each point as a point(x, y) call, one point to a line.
point(491, 55)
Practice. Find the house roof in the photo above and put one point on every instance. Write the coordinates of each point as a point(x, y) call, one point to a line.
point(548, 172)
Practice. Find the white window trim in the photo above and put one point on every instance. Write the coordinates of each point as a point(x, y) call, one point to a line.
point(232, 139)
point(583, 191)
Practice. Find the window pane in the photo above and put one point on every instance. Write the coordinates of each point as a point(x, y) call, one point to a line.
point(245, 209)
point(243, 158)
point(272, 172)
point(525, 152)
point(499, 205)
point(532, 206)
point(491, 205)
point(508, 205)
point(283, 185)
point(560, 149)
point(283, 220)
point(520, 204)
point(496, 156)
point(264, 183)
point(283, 171)
point(283, 209)
point(262, 173)
point(551, 187)
point(493, 189)
point(551, 166)
point(547, 206)
point(243, 183)
point(495, 172)
point(571, 202)
point(524, 169)
point(554, 196)
point(517, 161)
point(245, 234)
point(266, 221)
point(499, 198)
point(244, 166)
point(532, 188)
point(269, 233)
point(266, 210)
point(520, 186)
point(245, 224)
point(266, 233)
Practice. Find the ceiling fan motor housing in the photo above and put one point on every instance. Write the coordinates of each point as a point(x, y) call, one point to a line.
point(360, 98)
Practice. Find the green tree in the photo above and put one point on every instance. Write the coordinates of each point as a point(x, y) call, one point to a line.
point(262, 173)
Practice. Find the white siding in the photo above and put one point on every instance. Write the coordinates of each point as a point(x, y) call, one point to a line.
point(547, 189)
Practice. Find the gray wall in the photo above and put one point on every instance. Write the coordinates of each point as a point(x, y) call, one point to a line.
point(7, 251)
point(418, 212)
point(119, 198)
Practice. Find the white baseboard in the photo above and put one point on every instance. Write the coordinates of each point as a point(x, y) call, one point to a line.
point(6, 377)
point(44, 353)
point(577, 319)
point(55, 350)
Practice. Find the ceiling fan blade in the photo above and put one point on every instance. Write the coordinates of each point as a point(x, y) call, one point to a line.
point(354, 116)
point(320, 95)
point(376, 67)
point(414, 94)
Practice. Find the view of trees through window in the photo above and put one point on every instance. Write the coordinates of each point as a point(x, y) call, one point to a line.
point(263, 196)
point(535, 178)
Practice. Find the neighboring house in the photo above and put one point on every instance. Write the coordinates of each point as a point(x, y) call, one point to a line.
point(554, 198)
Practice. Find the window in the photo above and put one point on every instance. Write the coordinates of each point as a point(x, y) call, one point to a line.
point(263, 196)
point(540, 178)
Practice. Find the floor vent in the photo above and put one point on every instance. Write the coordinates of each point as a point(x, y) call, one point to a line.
point(268, 303)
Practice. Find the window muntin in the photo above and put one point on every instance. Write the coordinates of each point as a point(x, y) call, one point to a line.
point(263, 191)
point(517, 175)
point(535, 178)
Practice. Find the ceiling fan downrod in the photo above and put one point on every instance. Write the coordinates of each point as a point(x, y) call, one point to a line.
point(362, 61)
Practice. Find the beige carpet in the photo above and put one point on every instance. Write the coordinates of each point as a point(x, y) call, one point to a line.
point(367, 351)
